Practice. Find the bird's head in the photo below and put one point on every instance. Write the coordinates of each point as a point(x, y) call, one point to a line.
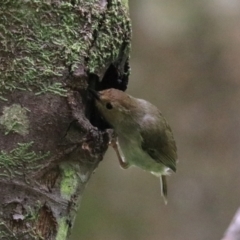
point(114, 105)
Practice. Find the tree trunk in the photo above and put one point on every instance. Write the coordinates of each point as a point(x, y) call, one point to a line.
point(51, 137)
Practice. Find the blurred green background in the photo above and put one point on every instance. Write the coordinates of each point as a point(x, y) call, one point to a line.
point(186, 60)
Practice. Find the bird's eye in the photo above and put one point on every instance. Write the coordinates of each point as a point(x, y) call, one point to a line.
point(109, 106)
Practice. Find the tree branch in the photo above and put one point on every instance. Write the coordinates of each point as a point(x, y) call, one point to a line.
point(233, 231)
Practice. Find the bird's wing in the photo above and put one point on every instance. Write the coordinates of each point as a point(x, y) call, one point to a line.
point(158, 141)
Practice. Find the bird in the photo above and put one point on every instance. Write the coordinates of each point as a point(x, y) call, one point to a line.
point(143, 137)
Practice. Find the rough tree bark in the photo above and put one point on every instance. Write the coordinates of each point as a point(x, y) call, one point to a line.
point(51, 138)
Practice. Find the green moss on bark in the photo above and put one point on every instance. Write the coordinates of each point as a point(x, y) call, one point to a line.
point(14, 119)
point(62, 229)
point(40, 40)
point(22, 157)
point(114, 34)
point(69, 181)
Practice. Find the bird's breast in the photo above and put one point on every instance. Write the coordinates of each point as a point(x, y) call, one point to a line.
point(136, 156)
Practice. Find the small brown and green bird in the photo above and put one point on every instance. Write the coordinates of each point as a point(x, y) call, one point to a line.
point(144, 138)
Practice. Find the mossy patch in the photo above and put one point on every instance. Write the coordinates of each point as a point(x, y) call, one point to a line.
point(69, 181)
point(15, 119)
point(125, 3)
point(22, 157)
point(114, 34)
point(62, 229)
point(41, 40)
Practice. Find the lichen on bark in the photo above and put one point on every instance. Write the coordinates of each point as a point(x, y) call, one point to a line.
point(41, 39)
point(14, 118)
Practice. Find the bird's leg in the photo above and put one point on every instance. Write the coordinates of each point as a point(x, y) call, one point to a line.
point(114, 143)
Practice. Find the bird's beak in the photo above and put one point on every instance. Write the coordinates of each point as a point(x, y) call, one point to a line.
point(94, 93)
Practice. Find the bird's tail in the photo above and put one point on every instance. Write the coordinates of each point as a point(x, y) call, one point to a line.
point(163, 184)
